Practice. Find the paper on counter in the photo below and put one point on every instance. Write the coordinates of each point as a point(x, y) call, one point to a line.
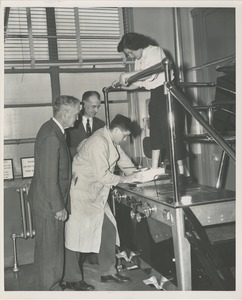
point(150, 174)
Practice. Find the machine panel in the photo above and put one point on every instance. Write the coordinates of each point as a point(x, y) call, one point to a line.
point(151, 208)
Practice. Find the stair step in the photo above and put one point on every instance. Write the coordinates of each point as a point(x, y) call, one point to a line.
point(221, 233)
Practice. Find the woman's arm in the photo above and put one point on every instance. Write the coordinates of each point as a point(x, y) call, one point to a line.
point(131, 87)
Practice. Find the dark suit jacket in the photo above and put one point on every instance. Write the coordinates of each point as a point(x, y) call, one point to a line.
point(49, 190)
point(76, 134)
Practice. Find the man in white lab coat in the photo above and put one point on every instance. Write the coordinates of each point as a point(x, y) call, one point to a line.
point(91, 226)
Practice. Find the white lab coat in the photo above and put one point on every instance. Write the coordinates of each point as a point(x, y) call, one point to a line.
point(92, 171)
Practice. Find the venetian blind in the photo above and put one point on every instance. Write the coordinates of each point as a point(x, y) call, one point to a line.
point(82, 35)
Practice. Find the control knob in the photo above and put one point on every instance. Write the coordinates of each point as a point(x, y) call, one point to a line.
point(118, 196)
point(148, 209)
point(132, 214)
point(139, 217)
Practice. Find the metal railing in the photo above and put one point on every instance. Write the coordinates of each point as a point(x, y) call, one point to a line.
point(171, 90)
point(27, 223)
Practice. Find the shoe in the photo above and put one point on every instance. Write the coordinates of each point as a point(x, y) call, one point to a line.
point(184, 180)
point(116, 278)
point(62, 286)
point(189, 179)
point(79, 286)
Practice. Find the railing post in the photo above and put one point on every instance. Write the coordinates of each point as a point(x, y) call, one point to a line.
point(222, 166)
point(106, 106)
point(15, 260)
point(171, 130)
point(27, 224)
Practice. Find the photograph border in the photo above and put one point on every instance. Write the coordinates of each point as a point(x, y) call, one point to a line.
point(184, 294)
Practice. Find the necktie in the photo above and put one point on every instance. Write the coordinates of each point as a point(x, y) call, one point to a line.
point(88, 128)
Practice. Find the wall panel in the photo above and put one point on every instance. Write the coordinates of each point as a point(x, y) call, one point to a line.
point(28, 88)
point(20, 123)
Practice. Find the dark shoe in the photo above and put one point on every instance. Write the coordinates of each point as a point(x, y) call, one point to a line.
point(62, 285)
point(184, 180)
point(115, 278)
point(189, 180)
point(79, 286)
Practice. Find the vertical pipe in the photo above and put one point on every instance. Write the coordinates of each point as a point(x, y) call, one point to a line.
point(223, 163)
point(15, 262)
point(171, 133)
point(27, 223)
point(106, 106)
point(30, 220)
point(178, 42)
point(23, 213)
point(182, 251)
point(210, 115)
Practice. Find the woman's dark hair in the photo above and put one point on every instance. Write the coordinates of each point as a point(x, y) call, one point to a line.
point(135, 41)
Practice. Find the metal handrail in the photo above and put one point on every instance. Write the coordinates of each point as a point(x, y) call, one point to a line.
point(27, 223)
point(215, 135)
point(157, 68)
point(171, 89)
point(196, 84)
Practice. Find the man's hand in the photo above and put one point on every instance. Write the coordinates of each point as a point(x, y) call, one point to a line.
point(61, 215)
point(130, 178)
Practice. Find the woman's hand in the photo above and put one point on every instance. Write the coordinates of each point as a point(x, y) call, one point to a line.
point(123, 84)
point(123, 78)
point(122, 81)
point(116, 84)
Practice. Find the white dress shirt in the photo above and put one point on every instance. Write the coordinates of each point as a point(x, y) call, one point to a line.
point(61, 127)
point(151, 55)
point(84, 121)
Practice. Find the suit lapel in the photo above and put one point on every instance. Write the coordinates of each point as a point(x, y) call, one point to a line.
point(58, 130)
point(81, 126)
point(60, 135)
point(94, 125)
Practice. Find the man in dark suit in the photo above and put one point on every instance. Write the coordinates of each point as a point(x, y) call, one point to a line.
point(81, 130)
point(49, 193)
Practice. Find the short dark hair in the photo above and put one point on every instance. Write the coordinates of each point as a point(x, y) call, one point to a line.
point(122, 122)
point(64, 100)
point(135, 41)
point(88, 94)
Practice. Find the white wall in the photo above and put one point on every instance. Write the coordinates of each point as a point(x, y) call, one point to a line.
point(76, 84)
point(156, 22)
